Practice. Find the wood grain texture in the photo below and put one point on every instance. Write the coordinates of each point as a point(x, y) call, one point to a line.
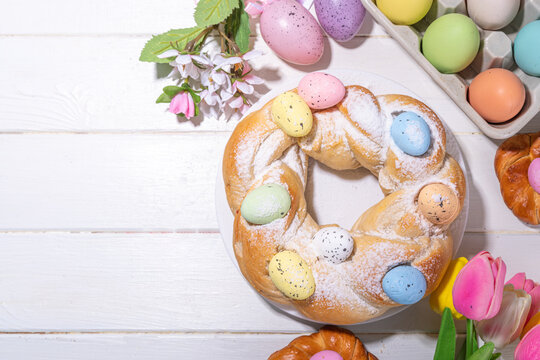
point(98, 84)
point(189, 346)
point(101, 18)
point(172, 282)
point(162, 182)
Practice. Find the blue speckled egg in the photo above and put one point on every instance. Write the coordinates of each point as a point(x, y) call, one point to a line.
point(527, 48)
point(341, 19)
point(404, 284)
point(411, 133)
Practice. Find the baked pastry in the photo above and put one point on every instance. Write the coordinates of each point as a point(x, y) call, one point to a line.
point(519, 177)
point(330, 338)
point(396, 252)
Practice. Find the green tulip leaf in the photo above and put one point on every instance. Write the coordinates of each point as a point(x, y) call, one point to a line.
point(484, 353)
point(446, 344)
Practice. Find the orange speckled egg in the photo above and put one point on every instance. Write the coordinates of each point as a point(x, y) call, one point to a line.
point(438, 203)
point(497, 95)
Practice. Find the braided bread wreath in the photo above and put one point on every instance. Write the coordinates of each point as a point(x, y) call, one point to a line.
point(280, 259)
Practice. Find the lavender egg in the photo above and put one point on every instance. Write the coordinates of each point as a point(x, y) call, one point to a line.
point(292, 32)
point(341, 19)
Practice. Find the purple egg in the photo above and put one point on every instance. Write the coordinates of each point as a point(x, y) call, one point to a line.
point(341, 19)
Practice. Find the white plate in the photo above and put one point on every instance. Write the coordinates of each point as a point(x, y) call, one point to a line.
point(331, 195)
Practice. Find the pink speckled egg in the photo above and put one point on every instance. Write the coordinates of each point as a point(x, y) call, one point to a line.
point(292, 32)
point(326, 355)
point(320, 90)
point(534, 175)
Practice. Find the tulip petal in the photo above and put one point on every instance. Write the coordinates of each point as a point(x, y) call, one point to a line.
point(535, 301)
point(508, 323)
point(517, 280)
point(529, 347)
point(474, 288)
point(495, 305)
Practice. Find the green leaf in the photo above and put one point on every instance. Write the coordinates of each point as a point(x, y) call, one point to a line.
point(211, 12)
point(495, 356)
point(484, 353)
point(446, 344)
point(163, 98)
point(242, 34)
point(461, 354)
point(171, 39)
point(171, 91)
point(471, 336)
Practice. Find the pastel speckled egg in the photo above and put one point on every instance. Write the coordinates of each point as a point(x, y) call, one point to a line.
point(411, 133)
point(341, 19)
point(404, 284)
point(497, 95)
point(492, 14)
point(527, 48)
point(534, 175)
point(320, 90)
point(292, 114)
point(326, 355)
point(266, 204)
point(438, 203)
point(291, 275)
point(334, 244)
point(451, 43)
point(292, 32)
point(404, 12)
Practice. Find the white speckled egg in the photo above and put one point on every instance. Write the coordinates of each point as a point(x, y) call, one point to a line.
point(320, 90)
point(334, 244)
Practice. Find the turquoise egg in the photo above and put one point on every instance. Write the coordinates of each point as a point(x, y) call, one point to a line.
point(411, 133)
point(404, 284)
point(265, 204)
point(527, 48)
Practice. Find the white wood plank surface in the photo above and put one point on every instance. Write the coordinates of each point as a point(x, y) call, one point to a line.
point(80, 87)
point(171, 282)
point(155, 182)
point(109, 245)
point(99, 17)
point(188, 346)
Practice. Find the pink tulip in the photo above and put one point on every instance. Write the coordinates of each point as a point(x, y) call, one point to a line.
point(182, 103)
point(533, 289)
point(505, 327)
point(478, 289)
point(529, 346)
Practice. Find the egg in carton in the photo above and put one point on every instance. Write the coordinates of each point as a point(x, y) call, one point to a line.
point(495, 52)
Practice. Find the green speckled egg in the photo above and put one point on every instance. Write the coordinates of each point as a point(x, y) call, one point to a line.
point(292, 114)
point(291, 275)
point(265, 204)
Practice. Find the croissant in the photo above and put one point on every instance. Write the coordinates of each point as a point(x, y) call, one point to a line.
point(512, 162)
point(327, 338)
point(393, 233)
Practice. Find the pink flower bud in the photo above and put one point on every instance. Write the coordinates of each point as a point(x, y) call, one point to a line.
point(506, 326)
point(478, 289)
point(529, 346)
point(182, 103)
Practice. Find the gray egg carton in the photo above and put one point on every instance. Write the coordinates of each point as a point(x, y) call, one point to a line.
point(495, 51)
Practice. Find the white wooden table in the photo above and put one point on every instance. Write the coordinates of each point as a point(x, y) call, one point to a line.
point(109, 245)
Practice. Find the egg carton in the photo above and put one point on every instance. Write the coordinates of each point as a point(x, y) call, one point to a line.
point(495, 51)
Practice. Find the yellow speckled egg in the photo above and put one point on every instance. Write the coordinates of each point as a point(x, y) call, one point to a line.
point(292, 114)
point(404, 12)
point(438, 203)
point(291, 275)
